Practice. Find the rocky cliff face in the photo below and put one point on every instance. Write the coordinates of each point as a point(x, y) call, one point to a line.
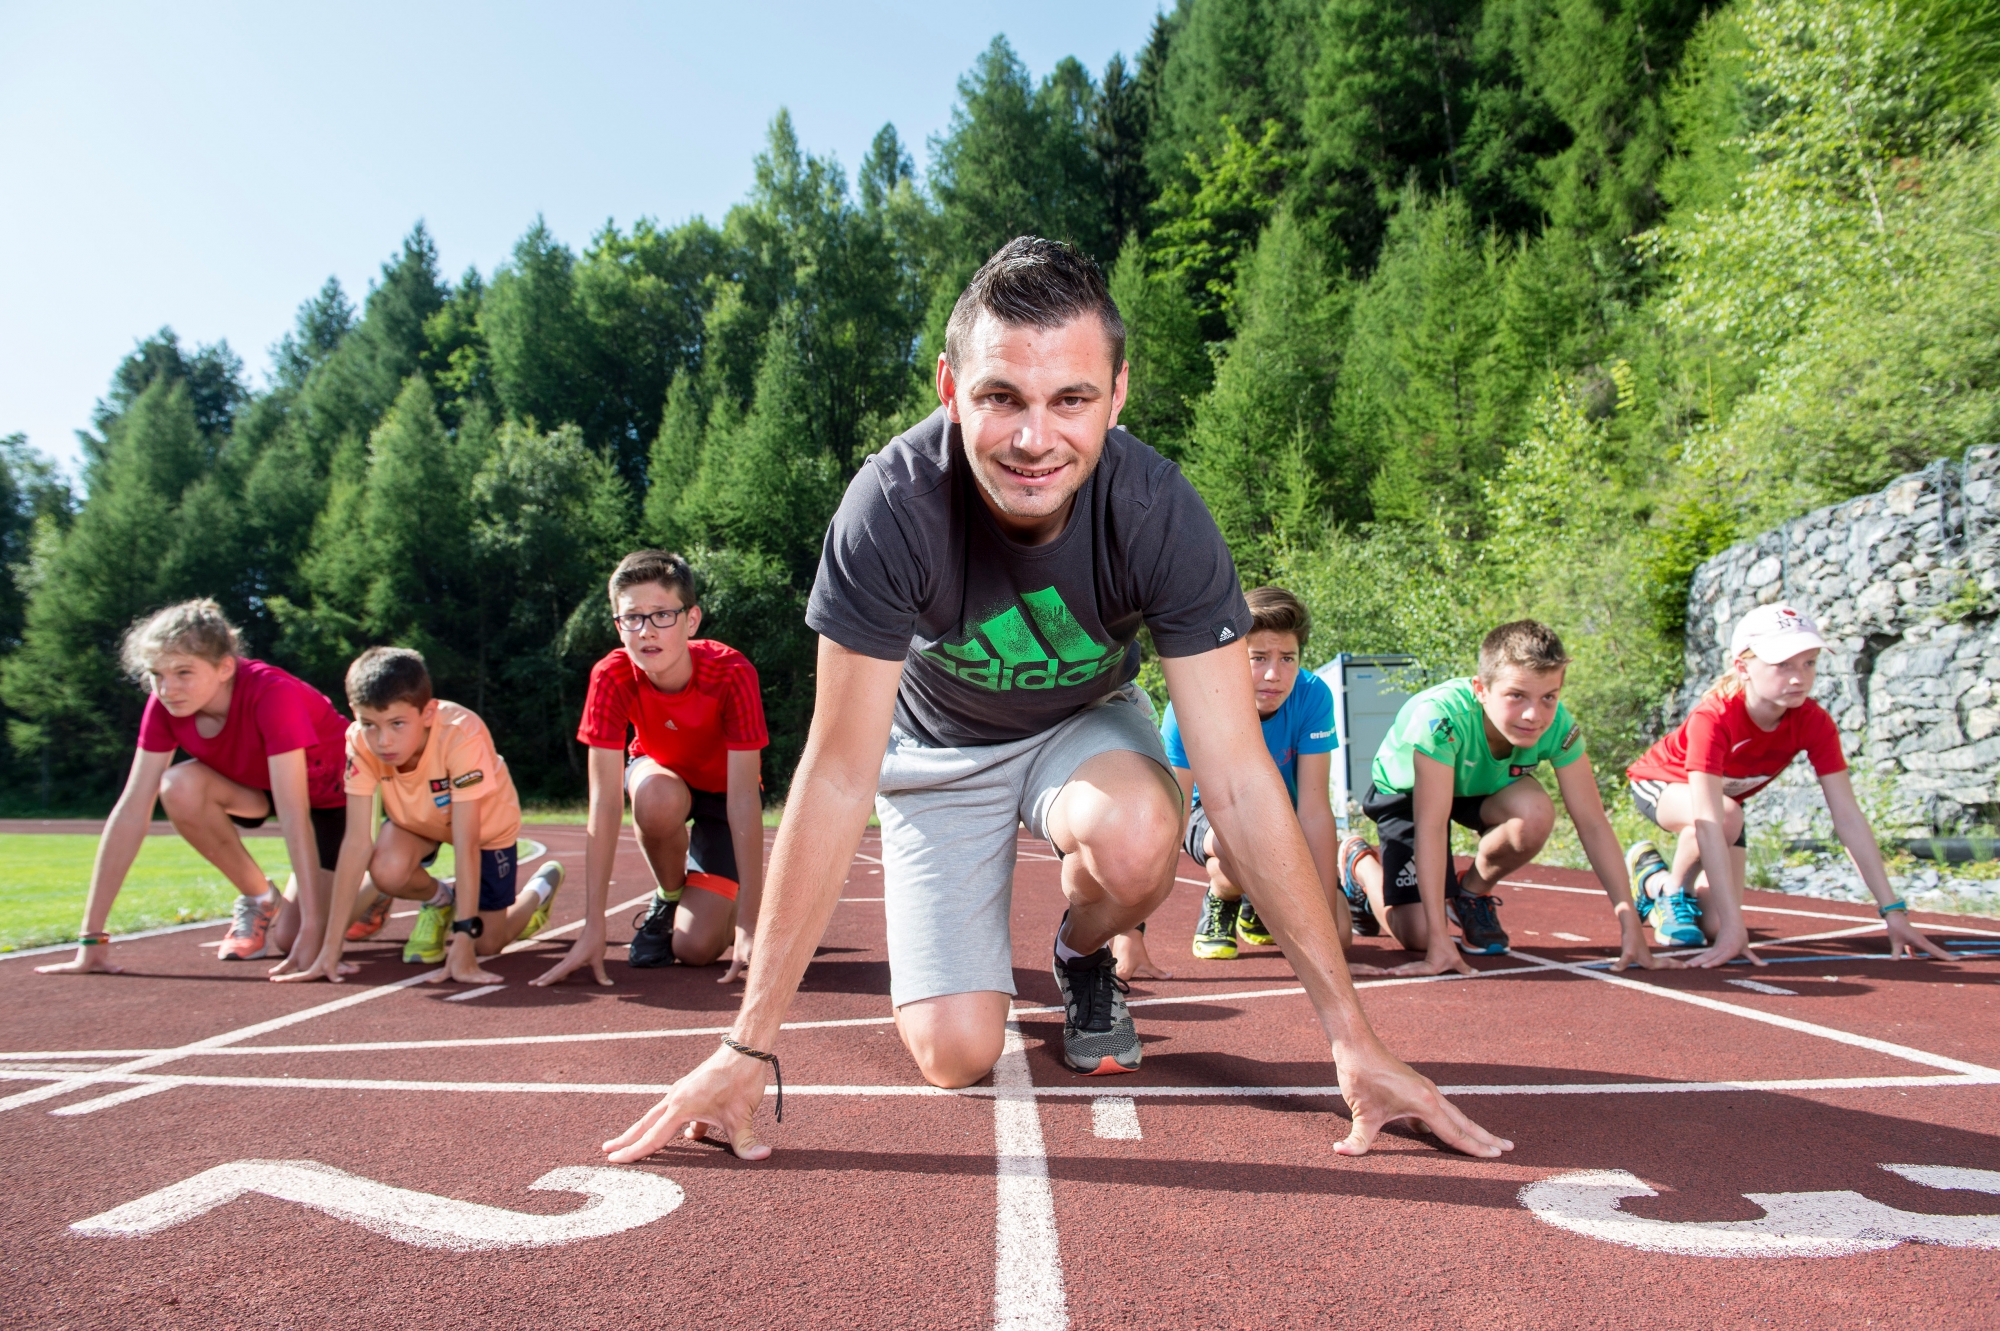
point(1903, 584)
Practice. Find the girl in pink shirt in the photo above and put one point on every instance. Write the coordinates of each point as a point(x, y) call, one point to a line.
point(260, 742)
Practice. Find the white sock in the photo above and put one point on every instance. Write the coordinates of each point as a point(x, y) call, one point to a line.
point(445, 896)
point(1656, 884)
point(539, 889)
point(1063, 950)
point(265, 899)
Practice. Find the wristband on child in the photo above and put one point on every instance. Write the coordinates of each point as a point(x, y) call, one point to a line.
point(761, 1056)
point(1897, 904)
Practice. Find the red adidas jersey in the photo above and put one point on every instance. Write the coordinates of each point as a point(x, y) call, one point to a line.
point(690, 732)
point(1720, 738)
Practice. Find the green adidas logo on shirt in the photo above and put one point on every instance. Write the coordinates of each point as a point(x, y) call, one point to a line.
point(1004, 652)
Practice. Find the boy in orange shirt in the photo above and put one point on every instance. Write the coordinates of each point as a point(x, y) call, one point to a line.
point(441, 780)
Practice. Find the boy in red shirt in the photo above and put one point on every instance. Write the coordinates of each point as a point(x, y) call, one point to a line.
point(260, 742)
point(696, 718)
point(1739, 737)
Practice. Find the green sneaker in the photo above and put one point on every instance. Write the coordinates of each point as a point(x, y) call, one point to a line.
point(1215, 937)
point(1249, 928)
point(428, 938)
point(1642, 861)
point(539, 921)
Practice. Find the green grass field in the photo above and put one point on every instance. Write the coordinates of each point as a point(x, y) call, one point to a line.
point(44, 877)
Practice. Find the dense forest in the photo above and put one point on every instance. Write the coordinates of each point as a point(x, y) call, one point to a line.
point(1453, 309)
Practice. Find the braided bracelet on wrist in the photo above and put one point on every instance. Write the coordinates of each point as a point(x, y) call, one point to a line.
point(761, 1056)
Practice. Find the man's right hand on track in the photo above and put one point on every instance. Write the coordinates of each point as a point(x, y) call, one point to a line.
point(586, 951)
point(1381, 1089)
point(716, 1100)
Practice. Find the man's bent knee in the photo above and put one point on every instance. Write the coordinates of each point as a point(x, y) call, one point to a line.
point(955, 1038)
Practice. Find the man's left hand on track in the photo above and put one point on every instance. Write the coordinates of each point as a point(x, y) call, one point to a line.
point(716, 1100)
point(1381, 1089)
point(586, 951)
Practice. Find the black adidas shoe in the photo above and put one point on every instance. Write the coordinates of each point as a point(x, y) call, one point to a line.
point(1097, 1029)
point(1478, 921)
point(653, 944)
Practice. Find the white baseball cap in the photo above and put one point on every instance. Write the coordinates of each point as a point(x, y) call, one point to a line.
point(1774, 633)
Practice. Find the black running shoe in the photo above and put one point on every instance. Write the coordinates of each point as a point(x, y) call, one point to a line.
point(653, 944)
point(1478, 921)
point(1097, 1030)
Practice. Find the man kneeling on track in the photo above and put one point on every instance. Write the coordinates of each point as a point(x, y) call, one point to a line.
point(693, 707)
point(441, 780)
point(978, 600)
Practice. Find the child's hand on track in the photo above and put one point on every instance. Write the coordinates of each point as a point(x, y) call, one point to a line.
point(1380, 1089)
point(739, 959)
point(1436, 962)
point(1726, 948)
point(316, 971)
point(1905, 938)
point(87, 961)
point(1632, 949)
point(716, 1101)
point(586, 951)
point(461, 964)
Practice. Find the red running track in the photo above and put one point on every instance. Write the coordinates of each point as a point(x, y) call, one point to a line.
point(1202, 1191)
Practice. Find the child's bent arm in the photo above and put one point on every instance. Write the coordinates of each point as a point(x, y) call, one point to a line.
point(124, 832)
point(1851, 825)
point(1430, 803)
point(600, 851)
point(291, 800)
point(746, 835)
point(461, 960)
point(1578, 784)
point(1316, 818)
point(356, 849)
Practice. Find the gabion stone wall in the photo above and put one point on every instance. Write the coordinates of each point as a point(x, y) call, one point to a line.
point(1903, 584)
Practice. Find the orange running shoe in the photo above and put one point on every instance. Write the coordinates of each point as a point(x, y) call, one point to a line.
point(371, 920)
point(245, 940)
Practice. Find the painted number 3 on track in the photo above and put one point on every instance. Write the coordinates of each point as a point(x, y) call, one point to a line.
point(1795, 1224)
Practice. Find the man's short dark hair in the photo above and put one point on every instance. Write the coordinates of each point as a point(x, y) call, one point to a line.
point(381, 677)
point(661, 566)
point(1038, 283)
point(1275, 610)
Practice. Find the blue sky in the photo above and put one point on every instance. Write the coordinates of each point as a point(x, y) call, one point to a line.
point(206, 166)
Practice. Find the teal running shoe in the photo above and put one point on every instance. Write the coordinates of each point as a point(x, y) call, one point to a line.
point(1641, 863)
point(1676, 920)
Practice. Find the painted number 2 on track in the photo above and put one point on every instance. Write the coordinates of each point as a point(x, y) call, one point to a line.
point(615, 1200)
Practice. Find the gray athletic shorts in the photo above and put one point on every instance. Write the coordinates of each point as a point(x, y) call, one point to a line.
point(949, 818)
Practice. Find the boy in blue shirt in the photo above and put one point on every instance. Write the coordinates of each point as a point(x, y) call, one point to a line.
point(1297, 711)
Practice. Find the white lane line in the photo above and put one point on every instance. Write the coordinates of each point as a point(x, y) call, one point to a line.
point(470, 994)
point(1027, 1093)
point(1027, 1267)
point(1902, 1051)
point(1759, 987)
point(405, 914)
point(1114, 1118)
point(572, 926)
point(113, 1100)
point(236, 1036)
point(1570, 938)
point(116, 938)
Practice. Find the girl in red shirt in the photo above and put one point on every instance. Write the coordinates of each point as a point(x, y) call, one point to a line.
point(1739, 737)
point(260, 742)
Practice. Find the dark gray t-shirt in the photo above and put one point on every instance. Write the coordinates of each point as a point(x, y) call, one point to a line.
point(1005, 640)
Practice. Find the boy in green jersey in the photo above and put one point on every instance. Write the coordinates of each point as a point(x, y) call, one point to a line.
point(1465, 752)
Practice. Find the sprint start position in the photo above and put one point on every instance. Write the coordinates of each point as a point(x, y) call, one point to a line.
point(977, 602)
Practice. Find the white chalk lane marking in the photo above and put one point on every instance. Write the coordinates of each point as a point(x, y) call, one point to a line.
point(471, 994)
point(1114, 1118)
point(1021, 1093)
point(1902, 1051)
point(1794, 1224)
point(1027, 1266)
point(615, 1200)
point(1759, 987)
point(236, 1036)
